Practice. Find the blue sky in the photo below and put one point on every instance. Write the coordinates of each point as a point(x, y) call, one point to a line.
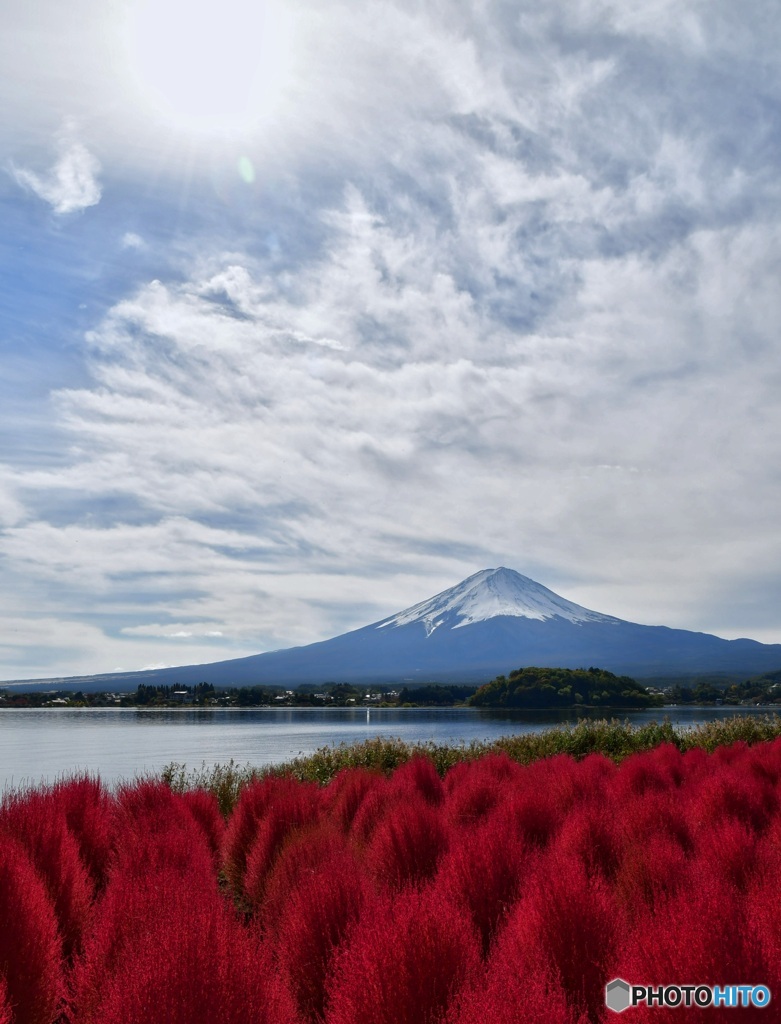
point(311, 310)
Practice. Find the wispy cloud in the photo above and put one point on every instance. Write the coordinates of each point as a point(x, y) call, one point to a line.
point(174, 630)
point(131, 240)
point(71, 184)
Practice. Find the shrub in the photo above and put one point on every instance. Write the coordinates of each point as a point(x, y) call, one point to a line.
point(206, 811)
point(588, 779)
point(37, 820)
point(375, 805)
point(499, 893)
point(762, 907)
point(404, 963)
point(166, 950)
point(418, 777)
point(483, 873)
point(531, 814)
point(643, 817)
point(656, 771)
point(298, 862)
point(700, 934)
point(590, 833)
point(506, 994)
point(344, 796)
point(30, 945)
point(316, 918)
point(89, 812)
point(765, 761)
point(154, 829)
point(408, 842)
point(727, 852)
point(473, 788)
point(6, 1013)
point(741, 794)
point(565, 927)
point(241, 830)
point(651, 872)
point(291, 811)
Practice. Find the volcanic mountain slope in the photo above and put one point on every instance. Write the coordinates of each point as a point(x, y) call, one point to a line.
point(491, 623)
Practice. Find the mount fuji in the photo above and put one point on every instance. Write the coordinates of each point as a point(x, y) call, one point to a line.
point(489, 624)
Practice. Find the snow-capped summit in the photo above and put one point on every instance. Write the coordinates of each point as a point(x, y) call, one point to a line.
point(489, 624)
point(487, 594)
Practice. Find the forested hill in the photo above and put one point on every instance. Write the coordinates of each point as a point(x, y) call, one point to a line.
point(563, 688)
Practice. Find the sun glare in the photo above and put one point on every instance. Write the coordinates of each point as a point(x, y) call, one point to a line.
point(211, 67)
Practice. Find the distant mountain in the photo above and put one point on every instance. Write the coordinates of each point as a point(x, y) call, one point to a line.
point(491, 623)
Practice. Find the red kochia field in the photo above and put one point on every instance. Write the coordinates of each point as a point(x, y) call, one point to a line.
point(500, 893)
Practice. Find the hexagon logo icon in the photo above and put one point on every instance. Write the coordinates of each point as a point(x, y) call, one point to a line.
point(617, 995)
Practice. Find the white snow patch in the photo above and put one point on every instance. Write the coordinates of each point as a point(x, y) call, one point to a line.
point(487, 594)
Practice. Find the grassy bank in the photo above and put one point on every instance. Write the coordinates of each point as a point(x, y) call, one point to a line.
point(617, 740)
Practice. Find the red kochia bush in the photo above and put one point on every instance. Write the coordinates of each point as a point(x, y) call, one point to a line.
point(566, 926)
point(404, 962)
point(727, 853)
point(206, 811)
point(739, 794)
point(155, 828)
point(418, 776)
point(343, 796)
point(765, 761)
point(318, 915)
point(30, 946)
point(762, 910)
point(658, 770)
point(254, 802)
point(505, 994)
point(300, 859)
point(163, 860)
point(650, 872)
point(89, 812)
point(375, 805)
point(639, 819)
point(700, 935)
point(566, 782)
point(473, 788)
point(414, 783)
point(589, 833)
point(483, 872)
point(165, 949)
point(288, 813)
point(37, 820)
point(472, 800)
point(408, 842)
point(531, 814)
point(6, 1013)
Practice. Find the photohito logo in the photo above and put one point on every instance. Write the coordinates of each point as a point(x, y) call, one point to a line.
point(620, 995)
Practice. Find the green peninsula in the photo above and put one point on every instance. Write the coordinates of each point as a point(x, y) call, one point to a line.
point(564, 688)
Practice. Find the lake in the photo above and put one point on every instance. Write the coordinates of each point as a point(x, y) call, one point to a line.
point(38, 745)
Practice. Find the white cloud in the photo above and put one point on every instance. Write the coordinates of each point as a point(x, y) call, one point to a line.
point(174, 630)
point(52, 646)
point(450, 434)
point(72, 183)
point(130, 240)
point(11, 509)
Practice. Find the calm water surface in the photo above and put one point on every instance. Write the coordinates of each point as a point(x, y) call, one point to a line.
point(120, 743)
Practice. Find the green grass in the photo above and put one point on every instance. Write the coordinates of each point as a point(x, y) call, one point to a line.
point(615, 739)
